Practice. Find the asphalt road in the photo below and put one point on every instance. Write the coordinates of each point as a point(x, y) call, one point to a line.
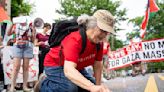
point(148, 83)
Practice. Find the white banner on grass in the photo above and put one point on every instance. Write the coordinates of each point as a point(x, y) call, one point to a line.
point(152, 50)
point(8, 67)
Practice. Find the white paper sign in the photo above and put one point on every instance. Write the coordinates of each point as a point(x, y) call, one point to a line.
point(22, 19)
point(35, 50)
point(8, 67)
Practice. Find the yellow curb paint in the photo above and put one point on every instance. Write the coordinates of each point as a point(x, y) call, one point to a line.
point(161, 77)
point(151, 85)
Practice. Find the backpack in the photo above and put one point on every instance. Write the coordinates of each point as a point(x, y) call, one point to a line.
point(63, 28)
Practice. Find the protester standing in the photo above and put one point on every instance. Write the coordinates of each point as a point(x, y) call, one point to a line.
point(41, 40)
point(1, 66)
point(22, 49)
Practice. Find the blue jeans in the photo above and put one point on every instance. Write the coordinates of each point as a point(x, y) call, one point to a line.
point(57, 82)
point(26, 52)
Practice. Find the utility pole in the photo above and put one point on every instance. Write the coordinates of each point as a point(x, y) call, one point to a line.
point(112, 45)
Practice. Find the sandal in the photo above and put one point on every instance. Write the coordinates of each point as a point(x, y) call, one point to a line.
point(27, 90)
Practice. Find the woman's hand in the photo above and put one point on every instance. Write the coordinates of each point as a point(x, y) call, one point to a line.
point(41, 43)
point(99, 88)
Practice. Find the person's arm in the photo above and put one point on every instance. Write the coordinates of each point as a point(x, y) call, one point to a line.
point(33, 34)
point(97, 68)
point(75, 76)
point(37, 43)
point(10, 31)
point(1, 42)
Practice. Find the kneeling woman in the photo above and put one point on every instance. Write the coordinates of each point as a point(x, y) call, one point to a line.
point(67, 74)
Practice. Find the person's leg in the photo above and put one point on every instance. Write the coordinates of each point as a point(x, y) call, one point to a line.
point(16, 68)
point(56, 81)
point(1, 71)
point(27, 55)
point(25, 72)
point(42, 55)
point(41, 59)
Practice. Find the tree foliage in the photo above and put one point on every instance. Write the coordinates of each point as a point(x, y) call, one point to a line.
point(115, 43)
point(155, 25)
point(155, 66)
point(78, 7)
point(20, 7)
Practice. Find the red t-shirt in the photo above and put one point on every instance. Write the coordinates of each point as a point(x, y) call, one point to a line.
point(43, 38)
point(106, 48)
point(72, 45)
